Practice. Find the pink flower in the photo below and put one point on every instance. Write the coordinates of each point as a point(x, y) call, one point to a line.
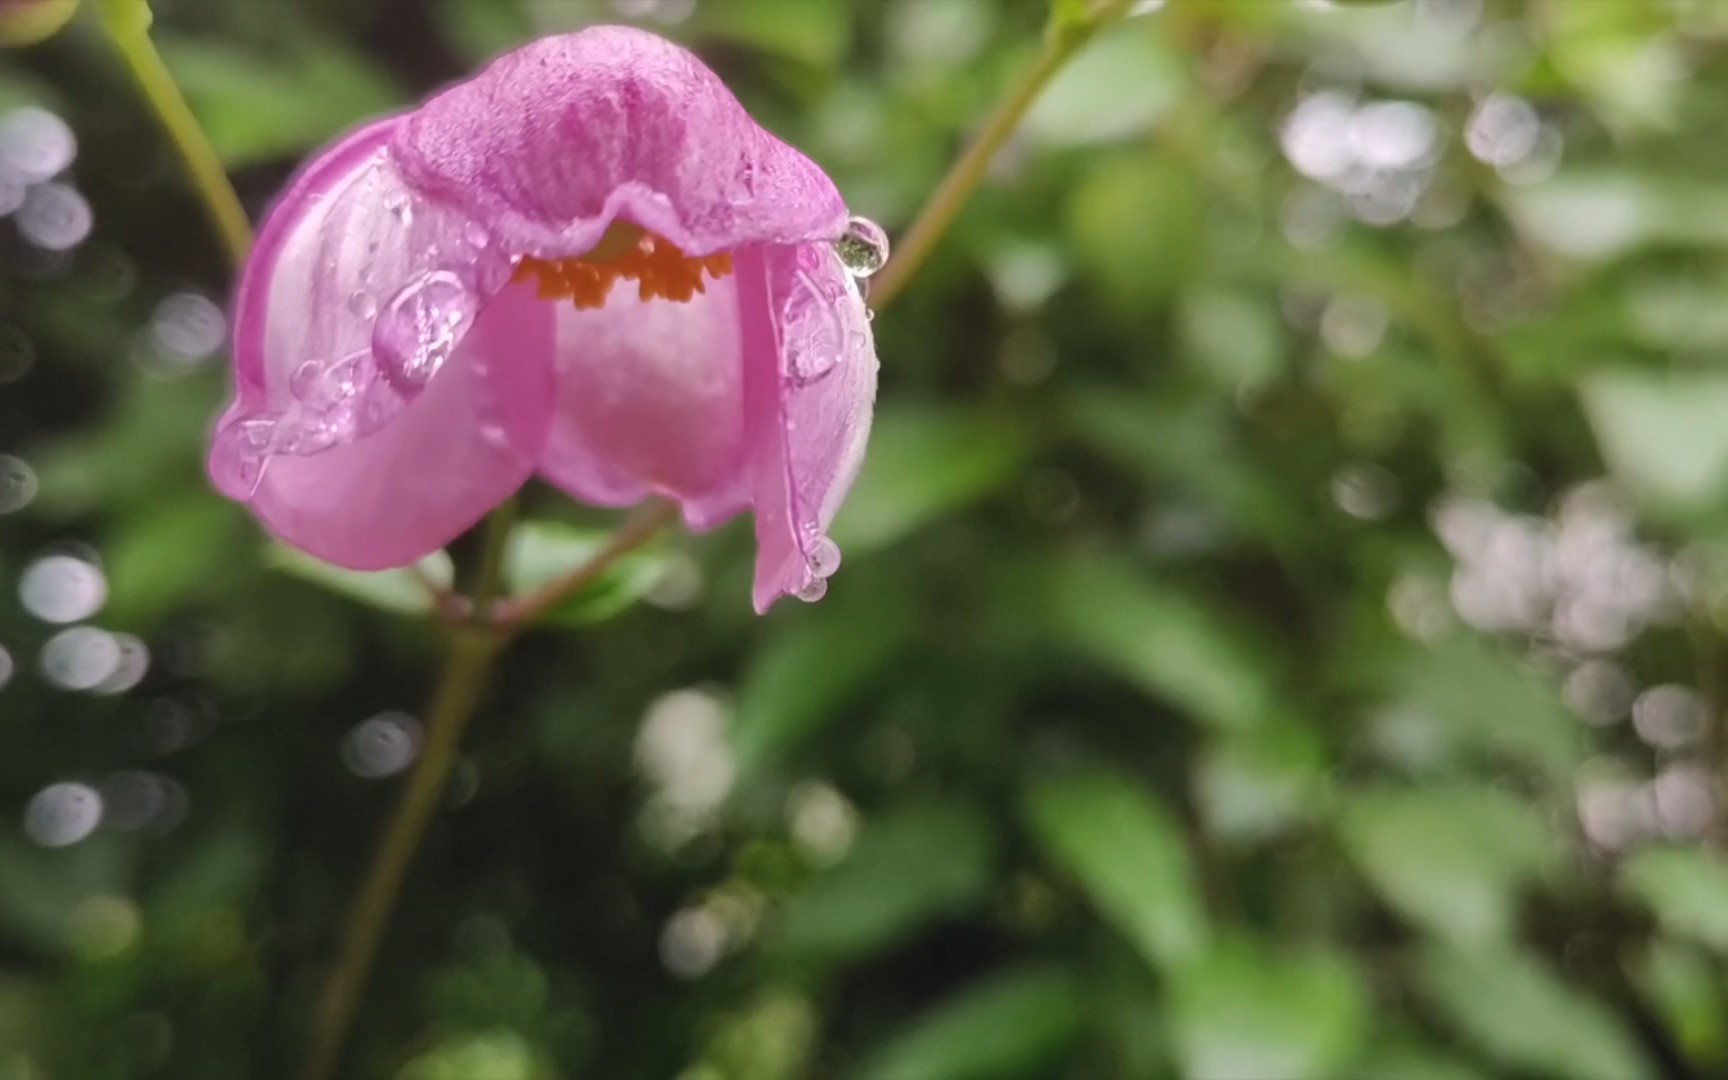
point(437, 309)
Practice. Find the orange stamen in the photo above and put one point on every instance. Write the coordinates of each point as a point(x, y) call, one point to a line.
point(659, 269)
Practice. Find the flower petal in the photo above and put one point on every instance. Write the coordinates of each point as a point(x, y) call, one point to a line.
point(407, 489)
point(651, 400)
point(810, 387)
point(357, 291)
point(551, 142)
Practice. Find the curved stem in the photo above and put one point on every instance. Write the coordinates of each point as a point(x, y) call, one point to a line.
point(474, 647)
point(1061, 43)
point(132, 39)
point(511, 617)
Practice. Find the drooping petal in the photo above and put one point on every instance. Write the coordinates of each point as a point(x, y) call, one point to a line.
point(651, 401)
point(356, 293)
point(551, 142)
point(460, 448)
point(810, 386)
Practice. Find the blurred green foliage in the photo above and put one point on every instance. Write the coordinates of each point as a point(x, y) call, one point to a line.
point(1283, 630)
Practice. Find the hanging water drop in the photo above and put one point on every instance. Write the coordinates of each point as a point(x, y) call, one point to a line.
point(863, 249)
point(303, 384)
point(823, 557)
point(238, 458)
point(420, 327)
point(363, 304)
point(814, 589)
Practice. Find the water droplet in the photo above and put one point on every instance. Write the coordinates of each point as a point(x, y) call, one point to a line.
point(396, 201)
point(814, 589)
point(864, 248)
point(81, 658)
point(476, 236)
point(382, 746)
point(824, 557)
point(54, 217)
point(303, 384)
point(62, 814)
point(187, 329)
point(815, 332)
point(5, 667)
point(421, 327)
point(35, 144)
point(363, 304)
point(17, 355)
point(62, 589)
point(17, 484)
point(238, 457)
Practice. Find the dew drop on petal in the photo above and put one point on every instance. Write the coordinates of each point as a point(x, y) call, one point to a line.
point(363, 304)
point(824, 557)
point(476, 236)
point(814, 589)
point(420, 327)
point(62, 814)
point(815, 334)
point(864, 248)
point(303, 384)
point(238, 456)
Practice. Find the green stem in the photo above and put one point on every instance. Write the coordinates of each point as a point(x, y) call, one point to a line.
point(474, 647)
point(513, 616)
point(1061, 43)
point(132, 39)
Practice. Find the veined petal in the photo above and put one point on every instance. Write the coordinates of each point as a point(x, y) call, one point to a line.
point(553, 141)
point(810, 387)
point(437, 468)
point(651, 400)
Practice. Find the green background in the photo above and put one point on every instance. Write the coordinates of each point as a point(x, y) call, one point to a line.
point(1283, 629)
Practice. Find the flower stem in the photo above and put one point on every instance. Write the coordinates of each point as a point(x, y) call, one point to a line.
point(132, 38)
point(511, 617)
point(473, 648)
point(1062, 41)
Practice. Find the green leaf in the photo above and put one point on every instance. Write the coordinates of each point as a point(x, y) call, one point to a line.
point(907, 868)
point(1007, 1025)
point(1258, 784)
point(257, 108)
point(1240, 1010)
point(1128, 854)
point(1164, 641)
point(168, 553)
point(1681, 984)
point(1686, 889)
point(1663, 434)
point(1115, 88)
point(1517, 1011)
point(1136, 226)
point(1452, 860)
point(1408, 1061)
point(540, 552)
point(924, 464)
point(806, 672)
point(386, 590)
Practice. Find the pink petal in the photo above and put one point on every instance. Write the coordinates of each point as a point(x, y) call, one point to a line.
point(551, 142)
point(809, 389)
point(450, 456)
point(366, 427)
point(651, 400)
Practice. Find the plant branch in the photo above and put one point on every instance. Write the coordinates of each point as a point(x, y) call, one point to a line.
point(131, 37)
point(1064, 39)
point(513, 616)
